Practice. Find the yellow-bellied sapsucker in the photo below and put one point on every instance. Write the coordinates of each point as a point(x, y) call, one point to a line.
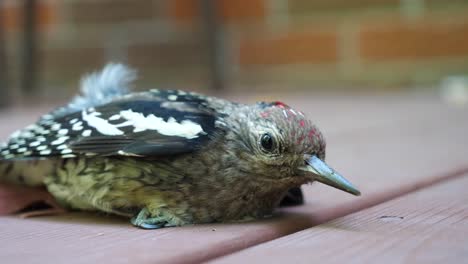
point(166, 157)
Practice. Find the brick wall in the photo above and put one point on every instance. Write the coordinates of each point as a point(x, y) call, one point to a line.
point(268, 43)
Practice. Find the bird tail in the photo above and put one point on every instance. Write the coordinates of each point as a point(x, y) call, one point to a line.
point(101, 87)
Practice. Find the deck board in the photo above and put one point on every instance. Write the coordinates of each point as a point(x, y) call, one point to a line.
point(388, 146)
point(428, 226)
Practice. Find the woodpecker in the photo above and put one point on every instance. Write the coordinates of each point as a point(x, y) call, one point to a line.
point(167, 157)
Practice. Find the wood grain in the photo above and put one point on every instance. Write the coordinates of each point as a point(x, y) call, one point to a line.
point(428, 226)
point(387, 145)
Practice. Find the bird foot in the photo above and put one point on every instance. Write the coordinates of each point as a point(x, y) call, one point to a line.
point(144, 220)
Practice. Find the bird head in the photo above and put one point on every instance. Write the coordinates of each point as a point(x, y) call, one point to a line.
point(278, 143)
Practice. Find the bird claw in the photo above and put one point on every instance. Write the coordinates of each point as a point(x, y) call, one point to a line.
point(144, 221)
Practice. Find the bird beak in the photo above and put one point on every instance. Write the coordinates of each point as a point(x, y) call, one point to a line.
point(326, 175)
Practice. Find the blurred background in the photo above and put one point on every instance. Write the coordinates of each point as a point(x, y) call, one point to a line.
point(279, 46)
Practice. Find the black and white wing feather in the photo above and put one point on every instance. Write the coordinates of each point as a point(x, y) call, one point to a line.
point(139, 124)
point(109, 121)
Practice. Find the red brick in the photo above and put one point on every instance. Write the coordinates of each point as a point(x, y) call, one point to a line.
point(183, 10)
point(290, 48)
point(111, 11)
point(189, 53)
point(230, 11)
point(11, 15)
point(235, 11)
point(395, 41)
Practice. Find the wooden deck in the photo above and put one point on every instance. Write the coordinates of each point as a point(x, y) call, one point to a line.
point(407, 154)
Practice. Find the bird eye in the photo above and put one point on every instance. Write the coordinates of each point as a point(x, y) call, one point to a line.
point(267, 142)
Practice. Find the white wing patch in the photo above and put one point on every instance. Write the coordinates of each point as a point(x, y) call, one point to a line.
point(171, 127)
point(101, 125)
